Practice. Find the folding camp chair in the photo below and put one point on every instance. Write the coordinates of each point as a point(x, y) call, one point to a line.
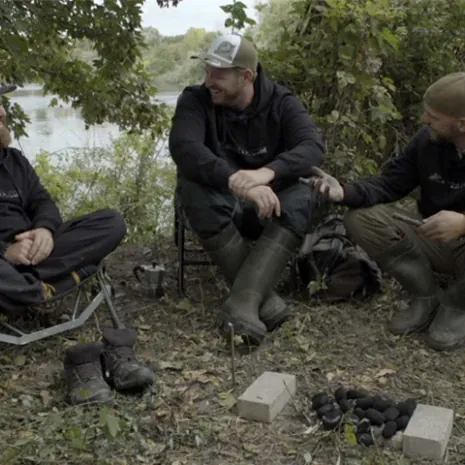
point(181, 225)
point(103, 291)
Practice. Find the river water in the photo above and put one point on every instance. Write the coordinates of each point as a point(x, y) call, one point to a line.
point(60, 128)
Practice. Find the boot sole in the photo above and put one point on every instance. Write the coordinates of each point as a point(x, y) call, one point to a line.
point(274, 323)
point(417, 329)
point(97, 399)
point(438, 346)
point(252, 336)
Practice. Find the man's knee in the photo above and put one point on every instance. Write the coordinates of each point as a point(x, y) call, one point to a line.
point(208, 210)
point(298, 203)
point(361, 221)
point(354, 219)
point(113, 222)
point(117, 223)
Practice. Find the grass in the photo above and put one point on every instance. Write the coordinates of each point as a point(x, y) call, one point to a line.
point(190, 419)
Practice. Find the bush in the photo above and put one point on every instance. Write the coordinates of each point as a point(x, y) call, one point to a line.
point(361, 68)
point(133, 176)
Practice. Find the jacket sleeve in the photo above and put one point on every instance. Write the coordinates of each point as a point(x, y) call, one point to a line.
point(399, 177)
point(303, 142)
point(194, 160)
point(40, 207)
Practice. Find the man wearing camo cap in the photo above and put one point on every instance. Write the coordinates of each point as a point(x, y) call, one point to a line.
point(433, 161)
point(240, 139)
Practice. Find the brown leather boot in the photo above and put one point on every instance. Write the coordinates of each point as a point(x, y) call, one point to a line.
point(121, 367)
point(84, 376)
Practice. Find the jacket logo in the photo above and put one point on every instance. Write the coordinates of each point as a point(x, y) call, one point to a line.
point(225, 50)
point(437, 178)
point(9, 195)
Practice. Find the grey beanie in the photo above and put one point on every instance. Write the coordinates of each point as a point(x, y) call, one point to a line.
point(447, 95)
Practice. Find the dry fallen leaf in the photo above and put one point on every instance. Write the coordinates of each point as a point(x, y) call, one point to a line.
point(46, 398)
point(385, 372)
point(170, 366)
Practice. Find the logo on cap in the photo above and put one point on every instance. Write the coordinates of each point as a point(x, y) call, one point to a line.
point(225, 50)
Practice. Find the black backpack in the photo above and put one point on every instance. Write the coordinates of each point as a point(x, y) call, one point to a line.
point(331, 265)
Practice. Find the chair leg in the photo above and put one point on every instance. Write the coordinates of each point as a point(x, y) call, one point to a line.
point(181, 255)
point(103, 285)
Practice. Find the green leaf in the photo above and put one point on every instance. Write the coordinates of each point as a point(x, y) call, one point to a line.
point(349, 433)
point(20, 360)
point(10, 455)
point(111, 424)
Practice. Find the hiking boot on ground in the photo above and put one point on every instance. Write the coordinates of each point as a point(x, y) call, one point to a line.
point(83, 371)
point(121, 368)
point(255, 280)
point(228, 250)
point(447, 330)
point(407, 263)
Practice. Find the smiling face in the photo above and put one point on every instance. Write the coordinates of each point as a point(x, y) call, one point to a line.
point(443, 127)
point(228, 86)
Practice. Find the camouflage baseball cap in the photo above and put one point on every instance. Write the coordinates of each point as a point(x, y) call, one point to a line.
point(230, 51)
point(7, 88)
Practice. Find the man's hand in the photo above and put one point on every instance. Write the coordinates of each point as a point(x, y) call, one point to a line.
point(42, 244)
point(18, 253)
point(324, 185)
point(243, 180)
point(265, 200)
point(444, 226)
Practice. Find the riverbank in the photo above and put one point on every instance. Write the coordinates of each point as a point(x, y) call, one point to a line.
point(61, 128)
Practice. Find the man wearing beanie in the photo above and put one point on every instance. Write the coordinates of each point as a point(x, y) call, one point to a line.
point(240, 143)
point(433, 161)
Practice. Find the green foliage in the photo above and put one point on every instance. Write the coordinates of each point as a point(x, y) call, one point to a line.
point(167, 59)
point(238, 18)
point(133, 176)
point(36, 42)
point(79, 430)
point(361, 68)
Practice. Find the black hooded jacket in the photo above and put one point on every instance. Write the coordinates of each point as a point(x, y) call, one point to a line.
point(210, 143)
point(435, 167)
point(24, 202)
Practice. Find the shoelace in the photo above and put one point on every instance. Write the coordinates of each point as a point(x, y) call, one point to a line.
point(88, 371)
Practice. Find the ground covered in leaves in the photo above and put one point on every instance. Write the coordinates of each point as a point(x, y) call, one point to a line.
point(191, 418)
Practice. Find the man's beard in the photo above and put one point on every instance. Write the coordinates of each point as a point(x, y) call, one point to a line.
point(227, 98)
point(438, 137)
point(5, 136)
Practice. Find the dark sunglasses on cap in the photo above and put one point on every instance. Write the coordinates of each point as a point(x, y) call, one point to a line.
point(7, 88)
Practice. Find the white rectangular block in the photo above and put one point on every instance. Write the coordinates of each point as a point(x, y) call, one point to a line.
point(266, 396)
point(428, 432)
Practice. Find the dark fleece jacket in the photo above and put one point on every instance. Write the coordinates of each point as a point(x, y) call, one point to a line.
point(434, 166)
point(24, 202)
point(209, 143)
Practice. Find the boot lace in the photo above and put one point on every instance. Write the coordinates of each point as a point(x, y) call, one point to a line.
point(88, 371)
point(118, 356)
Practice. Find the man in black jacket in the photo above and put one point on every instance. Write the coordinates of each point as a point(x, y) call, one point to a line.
point(41, 256)
point(433, 161)
point(240, 140)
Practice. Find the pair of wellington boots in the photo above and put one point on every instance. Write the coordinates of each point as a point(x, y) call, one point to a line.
point(253, 307)
point(443, 315)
